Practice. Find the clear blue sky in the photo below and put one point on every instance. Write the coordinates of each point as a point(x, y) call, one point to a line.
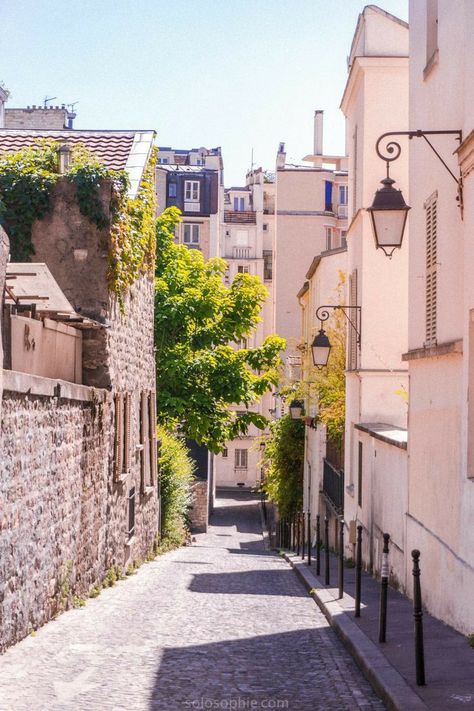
point(200, 72)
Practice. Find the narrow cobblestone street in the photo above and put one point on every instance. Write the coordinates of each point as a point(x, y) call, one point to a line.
point(220, 624)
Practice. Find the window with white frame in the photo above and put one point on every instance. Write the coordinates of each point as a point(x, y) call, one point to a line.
point(191, 190)
point(242, 269)
point(241, 458)
point(191, 234)
point(343, 195)
point(329, 238)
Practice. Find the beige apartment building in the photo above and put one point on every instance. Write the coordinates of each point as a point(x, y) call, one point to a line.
point(247, 238)
point(375, 100)
point(311, 217)
point(440, 354)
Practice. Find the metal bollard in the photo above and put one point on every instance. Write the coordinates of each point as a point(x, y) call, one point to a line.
point(318, 544)
point(298, 533)
point(358, 579)
point(384, 590)
point(326, 548)
point(418, 615)
point(341, 558)
point(303, 534)
point(309, 537)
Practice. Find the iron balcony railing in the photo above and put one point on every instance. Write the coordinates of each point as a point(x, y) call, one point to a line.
point(333, 486)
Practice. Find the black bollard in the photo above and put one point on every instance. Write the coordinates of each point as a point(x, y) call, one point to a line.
point(318, 544)
point(303, 535)
point(298, 533)
point(418, 615)
point(341, 558)
point(326, 548)
point(384, 590)
point(309, 537)
point(358, 570)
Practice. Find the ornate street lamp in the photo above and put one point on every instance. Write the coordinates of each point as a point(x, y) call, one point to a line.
point(296, 409)
point(389, 210)
point(320, 348)
point(321, 345)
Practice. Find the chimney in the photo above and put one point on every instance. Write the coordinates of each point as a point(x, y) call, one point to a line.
point(4, 93)
point(281, 156)
point(318, 132)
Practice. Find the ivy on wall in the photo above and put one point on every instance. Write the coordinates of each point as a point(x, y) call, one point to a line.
point(26, 180)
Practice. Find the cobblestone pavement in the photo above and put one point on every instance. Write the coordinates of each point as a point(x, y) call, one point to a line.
point(221, 624)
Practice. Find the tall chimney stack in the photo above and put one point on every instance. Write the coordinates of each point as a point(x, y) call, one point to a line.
point(318, 132)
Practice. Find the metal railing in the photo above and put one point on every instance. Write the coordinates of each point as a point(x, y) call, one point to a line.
point(240, 216)
point(333, 486)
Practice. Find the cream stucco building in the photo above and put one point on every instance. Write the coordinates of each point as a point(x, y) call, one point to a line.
point(375, 100)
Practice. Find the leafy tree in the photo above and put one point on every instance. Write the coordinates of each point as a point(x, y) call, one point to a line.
point(199, 374)
point(283, 464)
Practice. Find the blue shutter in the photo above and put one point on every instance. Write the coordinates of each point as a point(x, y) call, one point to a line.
point(328, 196)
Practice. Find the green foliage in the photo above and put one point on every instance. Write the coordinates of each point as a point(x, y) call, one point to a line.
point(283, 464)
point(199, 375)
point(176, 476)
point(26, 180)
point(95, 591)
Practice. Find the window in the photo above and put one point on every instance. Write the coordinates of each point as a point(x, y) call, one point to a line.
point(328, 196)
point(352, 333)
point(241, 458)
point(225, 453)
point(343, 195)
point(242, 238)
point(265, 226)
point(354, 172)
point(242, 269)
point(163, 161)
point(131, 513)
point(359, 475)
point(191, 191)
point(200, 161)
point(343, 238)
point(148, 449)
point(267, 264)
point(172, 190)
point(239, 204)
point(431, 271)
point(329, 244)
point(127, 421)
point(243, 343)
point(431, 30)
point(191, 234)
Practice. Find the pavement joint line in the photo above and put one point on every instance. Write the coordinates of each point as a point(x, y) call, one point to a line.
point(384, 678)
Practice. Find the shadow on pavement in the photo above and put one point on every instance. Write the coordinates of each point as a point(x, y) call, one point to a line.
point(251, 582)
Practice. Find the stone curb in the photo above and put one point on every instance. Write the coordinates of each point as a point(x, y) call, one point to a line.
point(384, 678)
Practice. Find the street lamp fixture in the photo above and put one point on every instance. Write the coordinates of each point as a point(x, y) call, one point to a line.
point(296, 409)
point(321, 345)
point(389, 210)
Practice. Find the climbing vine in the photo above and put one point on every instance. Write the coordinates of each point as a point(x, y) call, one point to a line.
point(26, 180)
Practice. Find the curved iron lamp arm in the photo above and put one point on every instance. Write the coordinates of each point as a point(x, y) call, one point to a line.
point(393, 147)
point(323, 314)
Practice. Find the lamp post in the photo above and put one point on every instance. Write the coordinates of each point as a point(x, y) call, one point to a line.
point(296, 409)
point(389, 210)
point(321, 345)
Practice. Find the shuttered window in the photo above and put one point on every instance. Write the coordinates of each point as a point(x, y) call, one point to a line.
point(352, 341)
point(431, 270)
point(127, 412)
point(118, 443)
point(153, 449)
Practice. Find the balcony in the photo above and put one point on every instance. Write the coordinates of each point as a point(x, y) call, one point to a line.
point(241, 253)
point(240, 217)
point(333, 486)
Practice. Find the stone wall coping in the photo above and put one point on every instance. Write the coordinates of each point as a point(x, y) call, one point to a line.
point(28, 384)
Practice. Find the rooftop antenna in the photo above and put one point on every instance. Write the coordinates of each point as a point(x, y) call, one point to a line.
point(71, 106)
point(47, 99)
point(251, 160)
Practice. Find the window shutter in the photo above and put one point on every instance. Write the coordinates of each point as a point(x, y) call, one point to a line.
point(144, 452)
point(118, 442)
point(127, 432)
point(352, 350)
point(152, 438)
point(431, 275)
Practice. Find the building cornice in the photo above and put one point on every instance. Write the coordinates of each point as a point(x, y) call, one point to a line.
point(441, 349)
point(358, 68)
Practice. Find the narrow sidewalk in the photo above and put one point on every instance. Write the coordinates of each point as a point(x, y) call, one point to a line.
point(390, 667)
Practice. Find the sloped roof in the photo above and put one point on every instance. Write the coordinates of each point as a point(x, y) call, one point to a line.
point(118, 150)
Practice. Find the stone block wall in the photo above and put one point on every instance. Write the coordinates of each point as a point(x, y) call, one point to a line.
point(54, 493)
point(51, 117)
point(198, 514)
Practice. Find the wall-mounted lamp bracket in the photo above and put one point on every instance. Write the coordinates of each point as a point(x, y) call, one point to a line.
point(323, 314)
